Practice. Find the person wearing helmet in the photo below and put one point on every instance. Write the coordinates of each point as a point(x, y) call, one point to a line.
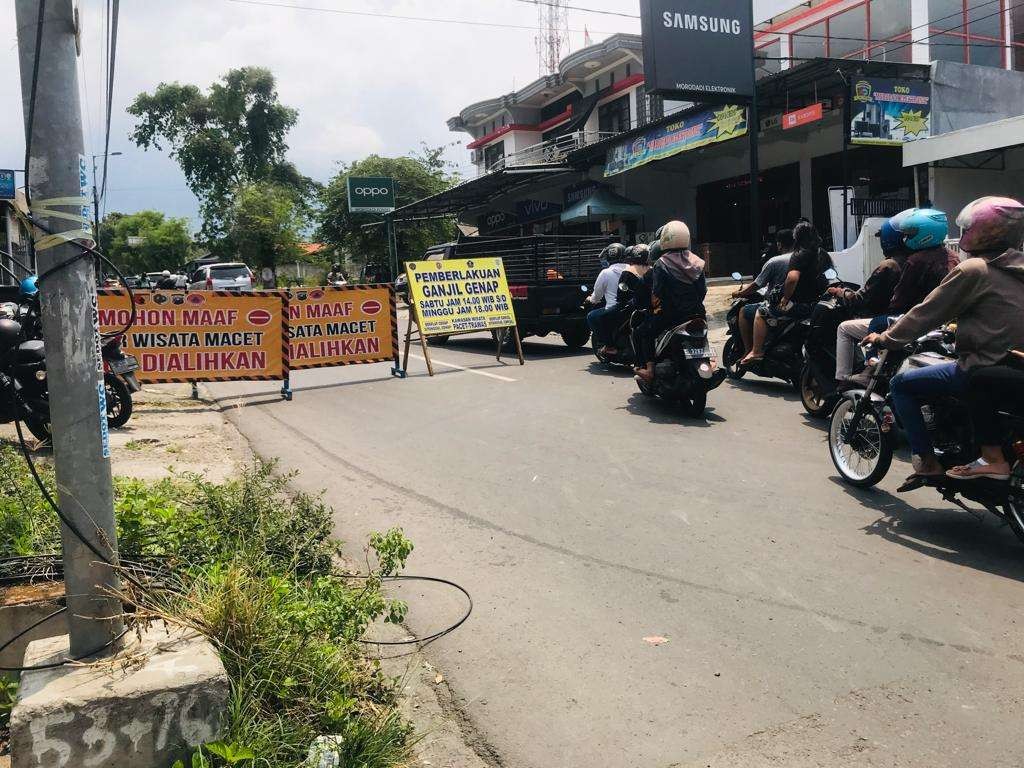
point(804, 284)
point(336, 276)
point(678, 288)
point(606, 289)
point(634, 289)
point(29, 287)
point(771, 278)
point(985, 294)
point(913, 242)
point(166, 281)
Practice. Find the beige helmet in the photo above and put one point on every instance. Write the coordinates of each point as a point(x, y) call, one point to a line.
point(675, 236)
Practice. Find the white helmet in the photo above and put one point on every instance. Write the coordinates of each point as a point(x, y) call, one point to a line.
point(675, 236)
point(166, 273)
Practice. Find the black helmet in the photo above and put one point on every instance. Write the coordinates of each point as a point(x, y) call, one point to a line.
point(614, 253)
point(638, 254)
point(336, 267)
point(654, 250)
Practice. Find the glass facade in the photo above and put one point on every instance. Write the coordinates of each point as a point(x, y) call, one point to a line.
point(768, 59)
point(968, 31)
point(613, 117)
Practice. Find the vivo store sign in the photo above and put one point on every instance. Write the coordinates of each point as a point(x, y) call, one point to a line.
point(699, 50)
point(371, 194)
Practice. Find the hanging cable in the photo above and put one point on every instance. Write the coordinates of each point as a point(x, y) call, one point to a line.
point(111, 62)
point(30, 123)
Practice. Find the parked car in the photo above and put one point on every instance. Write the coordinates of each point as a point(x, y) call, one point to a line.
point(227, 276)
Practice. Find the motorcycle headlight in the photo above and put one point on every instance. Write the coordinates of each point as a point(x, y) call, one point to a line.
point(41, 375)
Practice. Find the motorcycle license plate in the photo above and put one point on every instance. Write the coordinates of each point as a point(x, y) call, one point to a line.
point(129, 363)
point(697, 354)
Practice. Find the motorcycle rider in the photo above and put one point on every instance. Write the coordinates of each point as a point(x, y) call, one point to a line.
point(771, 278)
point(606, 289)
point(985, 293)
point(916, 260)
point(678, 288)
point(804, 284)
point(634, 288)
point(336, 276)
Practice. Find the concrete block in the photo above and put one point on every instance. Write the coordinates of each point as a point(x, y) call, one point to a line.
point(145, 708)
point(20, 608)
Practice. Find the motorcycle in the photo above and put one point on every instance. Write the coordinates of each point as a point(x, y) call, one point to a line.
point(862, 435)
point(621, 341)
point(818, 393)
point(685, 369)
point(119, 381)
point(23, 386)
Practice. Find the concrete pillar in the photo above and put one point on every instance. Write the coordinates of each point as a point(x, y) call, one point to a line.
point(920, 52)
point(806, 189)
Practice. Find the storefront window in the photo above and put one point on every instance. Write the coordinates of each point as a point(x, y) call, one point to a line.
point(809, 43)
point(848, 33)
point(984, 19)
point(889, 20)
point(1017, 22)
point(967, 31)
point(613, 117)
point(768, 59)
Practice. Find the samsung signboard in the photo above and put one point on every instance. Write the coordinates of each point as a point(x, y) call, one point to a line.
point(699, 50)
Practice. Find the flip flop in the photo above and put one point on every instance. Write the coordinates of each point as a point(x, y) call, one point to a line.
point(977, 464)
point(915, 481)
point(746, 361)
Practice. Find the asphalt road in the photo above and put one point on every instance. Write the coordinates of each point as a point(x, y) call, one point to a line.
point(807, 624)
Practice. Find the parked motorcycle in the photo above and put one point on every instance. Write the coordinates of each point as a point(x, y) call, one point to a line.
point(685, 369)
point(862, 435)
point(119, 380)
point(23, 385)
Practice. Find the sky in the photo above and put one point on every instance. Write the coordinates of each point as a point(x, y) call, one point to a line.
point(361, 84)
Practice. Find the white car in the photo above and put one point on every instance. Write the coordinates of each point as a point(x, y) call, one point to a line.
point(230, 276)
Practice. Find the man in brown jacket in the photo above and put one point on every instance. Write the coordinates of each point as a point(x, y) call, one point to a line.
point(985, 295)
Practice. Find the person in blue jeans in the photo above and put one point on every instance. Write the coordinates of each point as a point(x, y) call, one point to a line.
point(985, 294)
point(606, 290)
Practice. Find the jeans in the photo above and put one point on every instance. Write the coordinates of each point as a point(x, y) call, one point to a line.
point(910, 388)
point(598, 320)
point(847, 337)
point(882, 323)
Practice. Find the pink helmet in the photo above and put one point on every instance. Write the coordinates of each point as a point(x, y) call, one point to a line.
point(991, 224)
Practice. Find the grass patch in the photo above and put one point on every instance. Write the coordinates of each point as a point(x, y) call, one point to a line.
point(255, 565)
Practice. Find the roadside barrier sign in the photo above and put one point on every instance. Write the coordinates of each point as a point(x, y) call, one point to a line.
point(202, 335)
point(459, 296)
point(343, 326)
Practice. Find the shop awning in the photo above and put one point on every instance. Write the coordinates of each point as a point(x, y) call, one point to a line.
point(478, 192)
point(602, 204)
point(956, 145)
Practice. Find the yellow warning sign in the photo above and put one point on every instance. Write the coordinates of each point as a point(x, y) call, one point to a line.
point(460, 295)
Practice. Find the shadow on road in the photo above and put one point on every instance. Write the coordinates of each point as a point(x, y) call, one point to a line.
point(597, 368)
point(531, 348)
point(772, 387)
point(981, 541)
point(659, 411)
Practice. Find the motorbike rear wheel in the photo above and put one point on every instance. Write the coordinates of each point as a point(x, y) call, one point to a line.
point(575, 336)
point(1014, 508)
point(119, 401)
point(695, 406)
point(813, 400)
point(864, 458)
point(39, 428)
point(731, 356)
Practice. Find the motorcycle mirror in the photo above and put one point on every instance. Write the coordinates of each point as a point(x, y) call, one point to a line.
point(736, 276)
point(831, 274)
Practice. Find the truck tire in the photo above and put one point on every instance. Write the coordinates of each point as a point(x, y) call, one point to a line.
point(575, 336)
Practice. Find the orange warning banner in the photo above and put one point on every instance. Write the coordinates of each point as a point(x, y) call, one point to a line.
point(342, 326)
point(201, 335)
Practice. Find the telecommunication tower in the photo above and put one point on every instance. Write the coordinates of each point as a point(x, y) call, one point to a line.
point(552, 34)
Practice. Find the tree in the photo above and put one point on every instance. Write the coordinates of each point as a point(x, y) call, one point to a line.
point(232, 136)
point(146, 241)
point(264, 225)
point(416, 177)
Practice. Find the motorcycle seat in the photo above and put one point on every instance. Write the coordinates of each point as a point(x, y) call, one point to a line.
point(10, 332)
point(30, 352)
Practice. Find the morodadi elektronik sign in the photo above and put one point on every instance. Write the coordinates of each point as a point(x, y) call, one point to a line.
point(699, 50)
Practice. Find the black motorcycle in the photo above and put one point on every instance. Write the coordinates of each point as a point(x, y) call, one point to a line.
point(23, 386)
point(119, 381)
point(818, 392)
point(862, 436)
point(621, 342)
point(684, 367)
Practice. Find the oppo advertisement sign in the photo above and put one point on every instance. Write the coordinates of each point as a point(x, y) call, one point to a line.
point(699, 50)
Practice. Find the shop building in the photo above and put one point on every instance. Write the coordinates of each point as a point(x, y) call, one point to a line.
point(588, 150)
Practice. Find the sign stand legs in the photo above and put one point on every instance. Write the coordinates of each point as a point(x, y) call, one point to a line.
point(409, 340)
point(502, 336)
point(519, 344)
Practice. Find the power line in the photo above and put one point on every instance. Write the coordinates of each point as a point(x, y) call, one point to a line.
point(397, 17)
point(111, 61)
point(578, 8)
point(32, 99)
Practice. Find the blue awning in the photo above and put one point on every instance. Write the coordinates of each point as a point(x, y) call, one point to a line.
point(600, 205)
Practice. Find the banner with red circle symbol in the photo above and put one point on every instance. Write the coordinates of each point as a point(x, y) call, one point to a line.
point(200, 335)
point(345, 325)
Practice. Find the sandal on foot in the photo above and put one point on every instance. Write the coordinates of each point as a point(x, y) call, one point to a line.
point(979, 468)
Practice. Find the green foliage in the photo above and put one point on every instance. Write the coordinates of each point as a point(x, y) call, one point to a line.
point(416, 177)
point(231, 136)
point(264, 225)
point(166, 243)
point(27, 524)
point(8, 695)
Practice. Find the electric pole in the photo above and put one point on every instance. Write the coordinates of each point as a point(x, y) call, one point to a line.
point(59, 200)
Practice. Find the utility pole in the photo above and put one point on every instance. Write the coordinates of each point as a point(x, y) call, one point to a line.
point(68, 299)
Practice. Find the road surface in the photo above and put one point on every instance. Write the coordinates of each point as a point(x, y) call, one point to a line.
point(807, 624)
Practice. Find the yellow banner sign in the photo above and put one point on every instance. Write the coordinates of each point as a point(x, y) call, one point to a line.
point(342, 326)
point(201, 335)
point(460, 295)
